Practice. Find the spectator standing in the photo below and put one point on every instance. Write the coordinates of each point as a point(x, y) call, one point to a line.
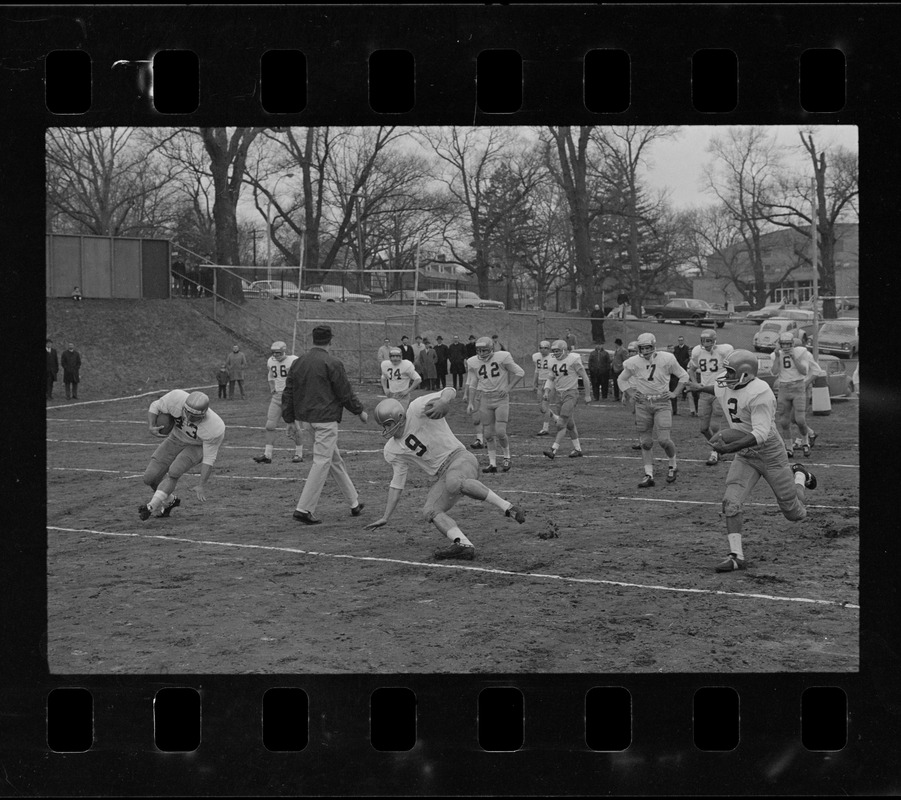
point(407, 353)
point(222, 380)
point(456, 354)
point(384, 352)
point(597, 325)
point(426, 365)
point(441, 351)
point(682, 352)
point(316, 392)
point(496, 344)
point(570, 340)
point(599, 367)
point(620, 354)
point(52, 368)
point(76, 294)
point(71, 364)
point(236, 362)
point(470, 347)
point(418, 347)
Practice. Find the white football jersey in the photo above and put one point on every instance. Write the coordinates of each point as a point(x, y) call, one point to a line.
point(708, 363)
point(209, 432)
point(494, 374)
point(751, 409)
point(650, 376)
point(788, 370)
point(425, 443)
point(562, 373)
point(278, 371)
point(401, 377)
point(542, 366)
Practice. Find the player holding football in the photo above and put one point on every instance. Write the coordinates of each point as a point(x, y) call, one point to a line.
point(195, 438)
point(491, 375)
point(561, 390)
point(795, 370)
point(750, 408)
point(705, 362)
point(541, 360)
point(399, 377)
point(645, 379)
point(276, 373)
point(420, 436)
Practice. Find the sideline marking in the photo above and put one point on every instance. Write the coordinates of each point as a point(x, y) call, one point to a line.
point(160, 392)
point(486, 570)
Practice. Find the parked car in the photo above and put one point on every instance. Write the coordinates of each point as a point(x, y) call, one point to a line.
point(854, 383)
point(405, 298)
point(767, 335)
point(836, 376)
point(332, 293)
point(839, 337)
point(278, 288)
point(685, 310)
point(454, 298)
point(769, 310)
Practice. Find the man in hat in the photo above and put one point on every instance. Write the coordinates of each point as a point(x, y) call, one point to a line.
point(316, 392)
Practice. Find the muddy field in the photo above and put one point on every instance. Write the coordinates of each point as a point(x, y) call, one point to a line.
point(603, 576)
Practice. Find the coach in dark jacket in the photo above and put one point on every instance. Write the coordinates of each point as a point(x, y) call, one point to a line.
point(599, 370)
point(441, 352)
point(52, 368)
point(456, 353)
point(71, 364)
point(316, 393)
point(407, 353)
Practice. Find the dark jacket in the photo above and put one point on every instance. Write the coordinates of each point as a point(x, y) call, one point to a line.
point(317, 389)
point(408, 353)
point(441, 350)
point(71, 364)
point(52, 362)
point(425, 363)
point(599, 362)
point(619, 355)
point(597, 324)
point(682, 354)
point(469, 349)
point(456, 352)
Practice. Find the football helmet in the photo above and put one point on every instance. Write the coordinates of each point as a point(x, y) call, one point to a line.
point(647, 344)
point(391, 416)
point(740, 369)
point(632, 348)
point(708, 339)
point(544, 346)
point(786, 341)
point(484, 348)
point(559, 348)
point(278, 351)
point(196, 406)
point(394, 355)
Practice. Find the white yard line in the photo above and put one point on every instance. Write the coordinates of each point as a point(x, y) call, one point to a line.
point(483, 570)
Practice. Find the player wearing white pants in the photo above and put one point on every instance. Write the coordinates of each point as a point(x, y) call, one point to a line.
point(399, 377)
point(541, 361)
point(795, 370)
point(705, 363)
point(561, 390)
point(276, 374)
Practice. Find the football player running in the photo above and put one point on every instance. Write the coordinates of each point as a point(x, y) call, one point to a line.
point(399, 377)
point(561, 389)
point(645, 379)
point(420, 436)
point(276, 374)
point(541, 360)
point(706, 361)
point(750, 407)
point(195, 438)
point(795, 370)
point(490, 377)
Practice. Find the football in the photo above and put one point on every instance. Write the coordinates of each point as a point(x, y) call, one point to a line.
point(431, 413)
point(730, 435)
point(167, 422)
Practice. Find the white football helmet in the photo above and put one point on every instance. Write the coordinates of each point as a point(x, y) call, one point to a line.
point(395, 356)
point(559, 348)
point(786, 341)
point(632, 348)
point(391, 416)
point(740, 369)
point(196, 406)
point(484, 348)
point(708, 340)
point(279, 351)
point(647, 344)
point(544, 346)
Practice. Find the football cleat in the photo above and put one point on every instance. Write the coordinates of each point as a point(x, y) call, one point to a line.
point(790, 454)
point(144, 512)
point(713, 458)
point(812, 438)
point(476, 445)
point(297, 459)
point(489, 468)
point(646, 482)
point(357, 509)
point(805, 450)
point(457, 550)
point(549, 453)
point(543, 433)
point(176, 502)
point(515, 512)
point(636, 447)
point(731, 564)
point(505, 466)
point(576, 454)
point(810, 481)
point(671, 475)
point(262, 459)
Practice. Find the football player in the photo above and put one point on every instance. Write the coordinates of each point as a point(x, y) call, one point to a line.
point(750, 407)
point(276, 373)
point(561, 389)
point(195, 438)
point(632, 350)
point(541, 360)
point(645, 379)
point(491, 375)
point(420, 436)
point(399, 377)
point(706, 361)
point(795, 370)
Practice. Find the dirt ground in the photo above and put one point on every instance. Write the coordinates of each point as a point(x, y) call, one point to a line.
point(603, 576)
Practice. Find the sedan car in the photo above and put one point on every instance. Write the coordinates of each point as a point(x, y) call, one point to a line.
point(454, 298)
point(278, 288)
point(767, 336)
point(405, 298)
point(839, 337)
point(769, 310)
point(332, 293)
point(836, 377)
point(689, 310)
